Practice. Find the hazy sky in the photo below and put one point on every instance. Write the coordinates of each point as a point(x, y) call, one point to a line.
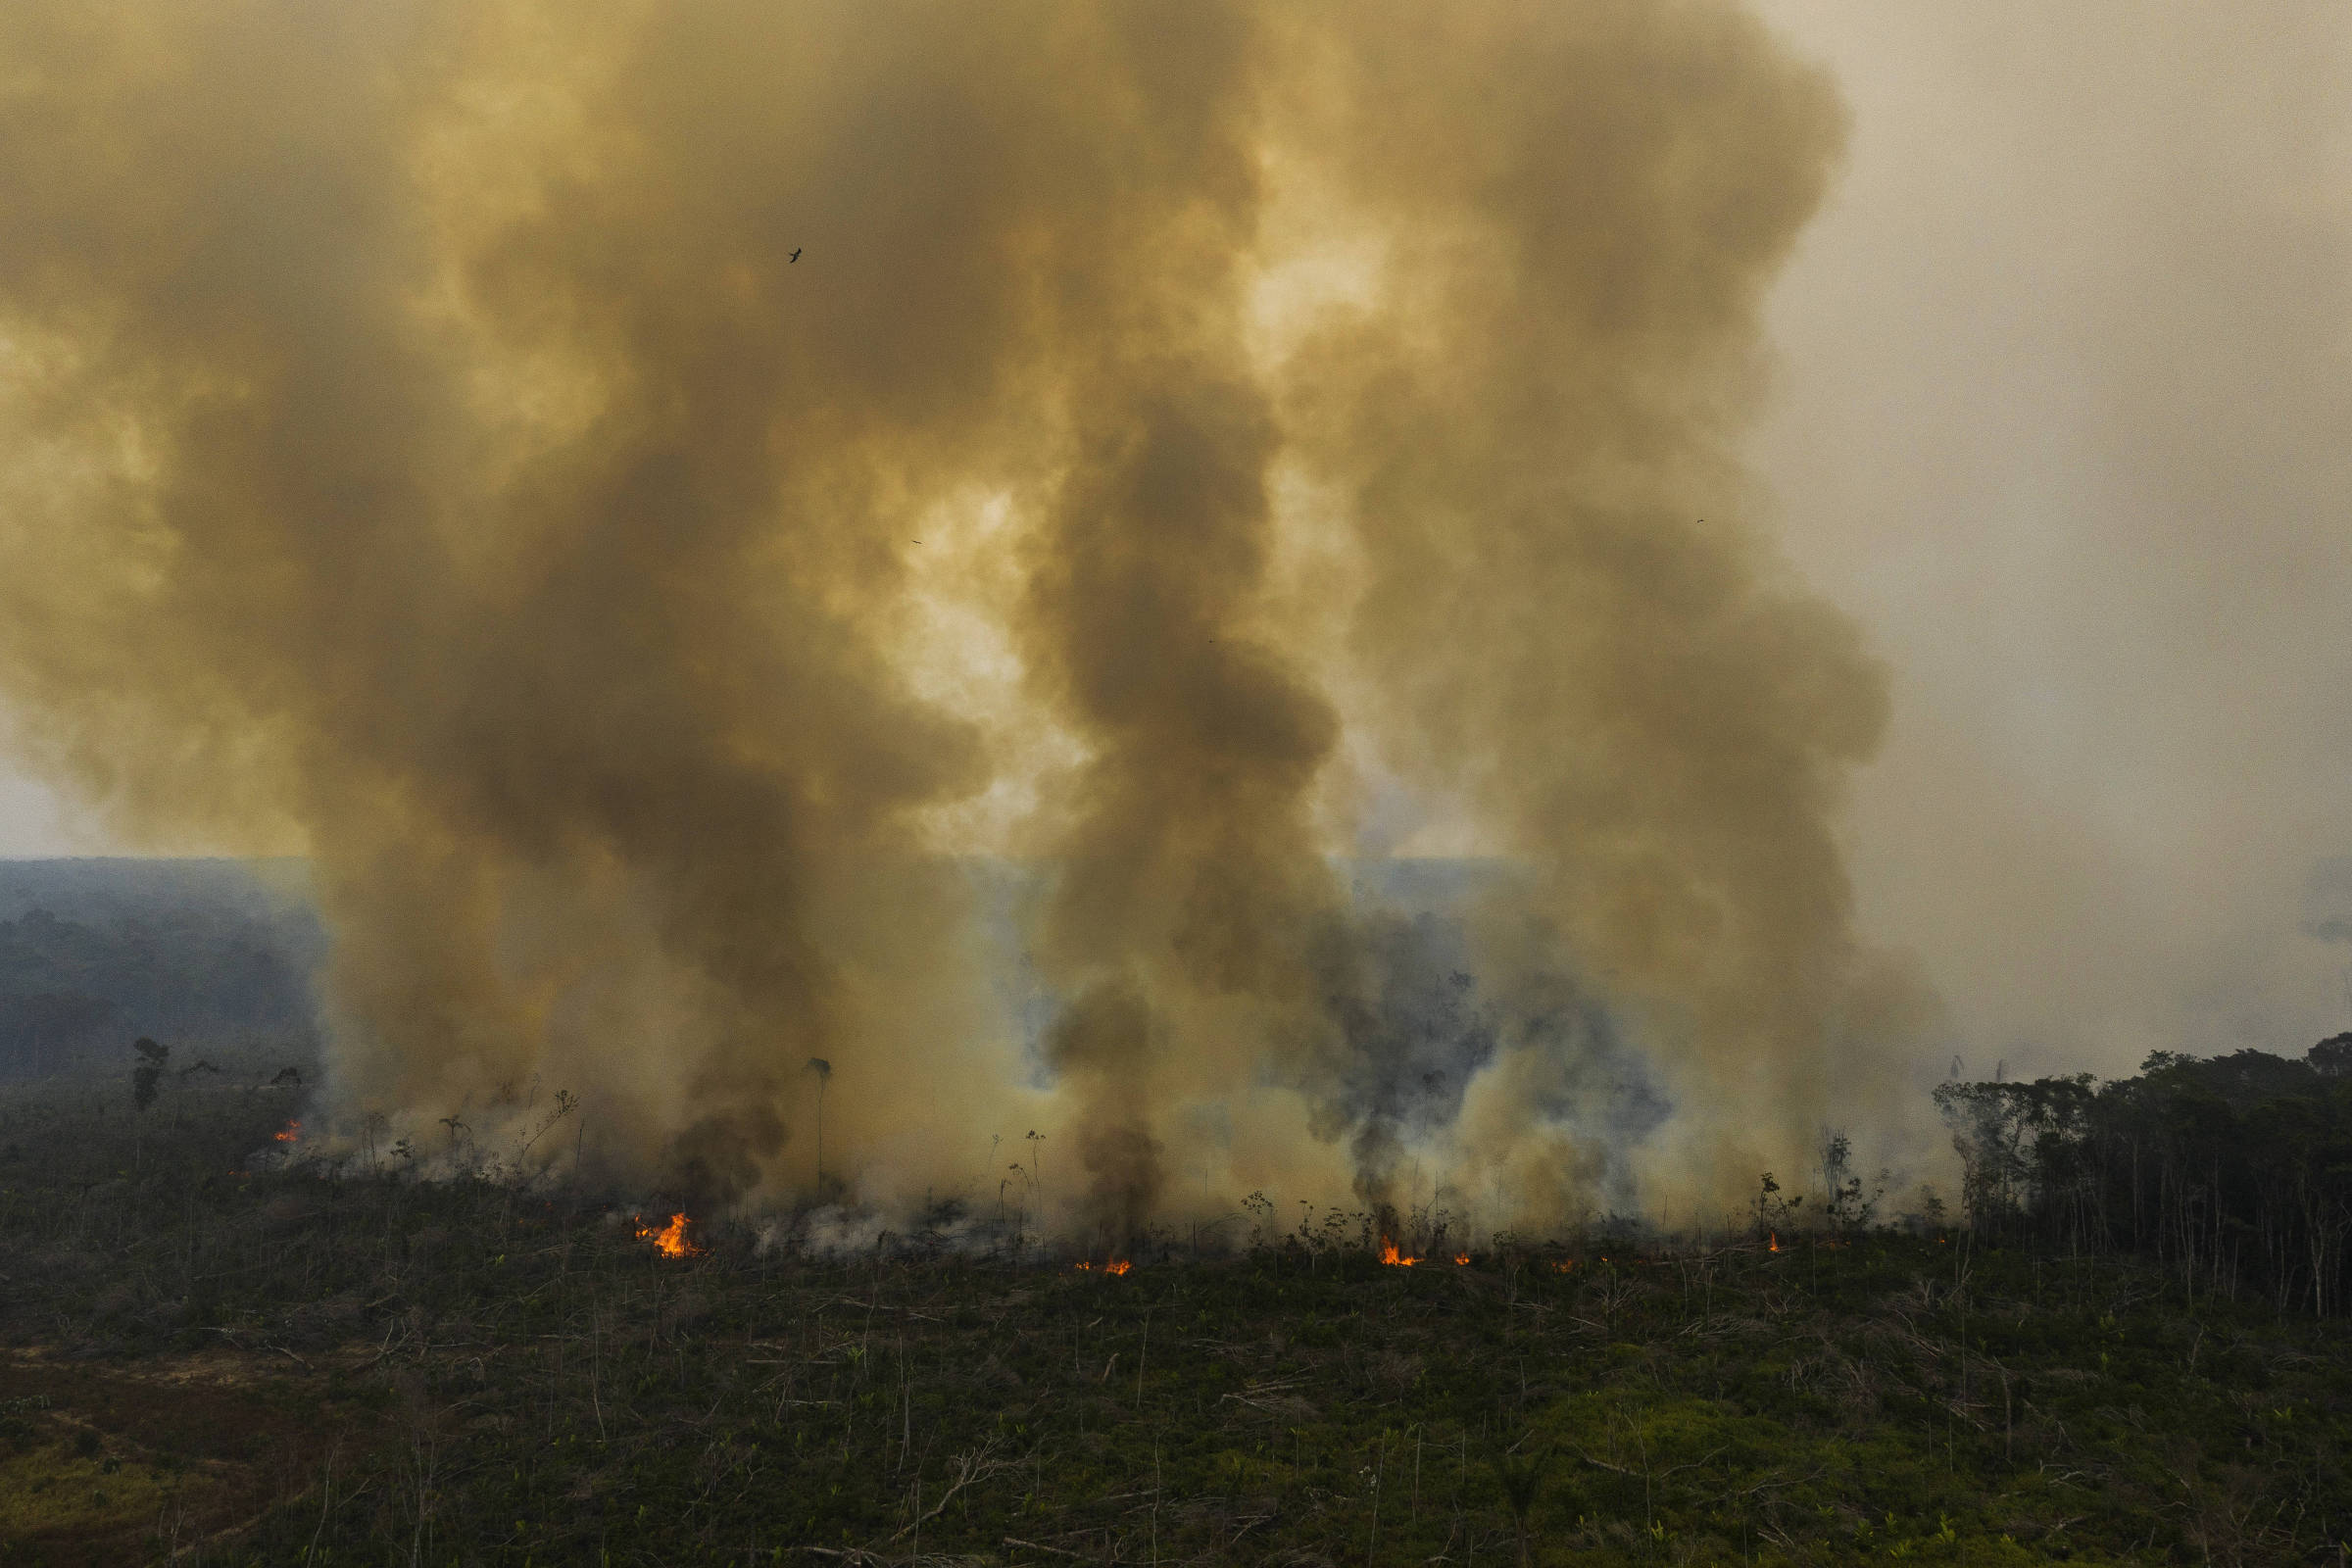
point(2061, 416)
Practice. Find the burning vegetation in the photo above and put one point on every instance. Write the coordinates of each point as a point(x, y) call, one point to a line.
point(1392, 1257)
point(669, 1240)
point(1864, 1392)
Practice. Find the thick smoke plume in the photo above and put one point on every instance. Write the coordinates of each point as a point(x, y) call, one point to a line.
point(1180, 426)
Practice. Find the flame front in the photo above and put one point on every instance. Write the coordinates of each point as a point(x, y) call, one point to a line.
point(1461, 1260)
point(291, 1134)
point(670, 1238)
point(1775, 1238)
point(1116, 1266)
point(1391, 1257)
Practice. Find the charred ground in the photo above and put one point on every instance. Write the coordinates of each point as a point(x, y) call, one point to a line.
point(312, 1365)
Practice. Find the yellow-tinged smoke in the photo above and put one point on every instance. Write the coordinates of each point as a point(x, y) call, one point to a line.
point(426, 451)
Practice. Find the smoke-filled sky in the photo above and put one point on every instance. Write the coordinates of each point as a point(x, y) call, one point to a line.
point(2065, 381)
point(1195, 444)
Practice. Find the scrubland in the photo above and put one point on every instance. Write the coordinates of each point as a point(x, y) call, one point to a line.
point(210, 1358)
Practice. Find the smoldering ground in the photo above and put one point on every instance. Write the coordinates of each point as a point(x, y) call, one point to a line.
point(1181, 422)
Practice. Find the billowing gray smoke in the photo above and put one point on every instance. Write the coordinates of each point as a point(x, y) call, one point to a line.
point(642, 495)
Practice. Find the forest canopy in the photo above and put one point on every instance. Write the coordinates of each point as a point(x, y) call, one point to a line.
point(2232, 1171)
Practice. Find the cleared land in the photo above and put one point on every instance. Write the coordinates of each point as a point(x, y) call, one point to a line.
point(296, 1366)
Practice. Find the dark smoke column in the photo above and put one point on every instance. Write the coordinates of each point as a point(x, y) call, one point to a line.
point(1566, 619)
point(1189, 889)
point(422, 452)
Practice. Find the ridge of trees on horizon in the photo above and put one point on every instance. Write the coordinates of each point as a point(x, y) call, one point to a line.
point(92, 952)
point(2231, 1173)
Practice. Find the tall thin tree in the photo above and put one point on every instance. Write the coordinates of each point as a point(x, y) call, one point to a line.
point(824, 1075)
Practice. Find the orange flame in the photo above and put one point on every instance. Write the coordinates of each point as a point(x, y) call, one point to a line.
point(292, 1134)
point(1461, 1260)
point(1391, 1257)
point(1775, 1237)
point(1118, 1266)
point(670, 1238)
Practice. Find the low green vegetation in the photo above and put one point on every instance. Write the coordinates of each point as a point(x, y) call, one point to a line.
point(300, 1366)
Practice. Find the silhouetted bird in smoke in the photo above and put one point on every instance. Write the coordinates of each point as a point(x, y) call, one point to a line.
point(794, 257)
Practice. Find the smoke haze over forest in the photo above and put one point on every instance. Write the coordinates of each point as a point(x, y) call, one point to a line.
point(1819, 529)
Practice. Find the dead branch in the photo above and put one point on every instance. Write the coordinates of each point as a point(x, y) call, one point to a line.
point(978, 1465)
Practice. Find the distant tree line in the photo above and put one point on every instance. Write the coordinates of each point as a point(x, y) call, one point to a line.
point(69, 991)
point(2232, 1172)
